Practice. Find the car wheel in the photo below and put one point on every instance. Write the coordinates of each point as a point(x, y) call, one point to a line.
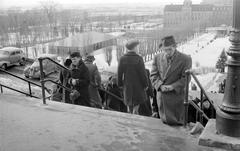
point(4, 66)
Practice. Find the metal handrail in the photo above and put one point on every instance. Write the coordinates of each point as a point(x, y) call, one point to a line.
point(202, 89)
point(40, 59)
point(28, 81)
point(62, 86)
point(61, 66)
point(190, 73)
point(113, 95)
point(198, 109)
point(1, 85)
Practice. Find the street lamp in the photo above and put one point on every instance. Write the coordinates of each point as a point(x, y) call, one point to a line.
point(228, 113)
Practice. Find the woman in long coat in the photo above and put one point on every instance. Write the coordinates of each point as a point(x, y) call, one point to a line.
point(95, 82)
point(79, 79)
point(132, 77)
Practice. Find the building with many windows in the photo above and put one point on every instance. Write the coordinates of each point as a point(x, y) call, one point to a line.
point(198, 16)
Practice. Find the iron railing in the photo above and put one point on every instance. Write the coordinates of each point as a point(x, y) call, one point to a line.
point(43, 81)
point(29, 85)
point(42, 76)
point(61, 66)
point(203, 93)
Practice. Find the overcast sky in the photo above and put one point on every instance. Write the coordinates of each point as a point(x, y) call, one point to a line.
point(10, 3)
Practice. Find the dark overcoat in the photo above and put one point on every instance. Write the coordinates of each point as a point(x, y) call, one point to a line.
point(81, 73)
point(170, 104)
point(132, 77)
point(95, 81)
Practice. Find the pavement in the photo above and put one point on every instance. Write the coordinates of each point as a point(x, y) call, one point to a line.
point(28, 125)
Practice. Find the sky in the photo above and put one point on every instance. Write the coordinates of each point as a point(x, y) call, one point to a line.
point(29, 3)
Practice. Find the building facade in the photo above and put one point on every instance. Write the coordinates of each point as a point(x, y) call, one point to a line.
point(197, 16)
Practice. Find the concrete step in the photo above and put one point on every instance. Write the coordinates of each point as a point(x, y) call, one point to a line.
point(27, 124)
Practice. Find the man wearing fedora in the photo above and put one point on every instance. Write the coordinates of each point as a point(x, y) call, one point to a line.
point(168, 78)
point(132, 78)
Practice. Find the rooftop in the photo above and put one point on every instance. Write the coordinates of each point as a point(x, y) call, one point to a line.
point(83, 39)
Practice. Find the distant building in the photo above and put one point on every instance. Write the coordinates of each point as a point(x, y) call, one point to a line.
point(198, 16)
point(217, 2)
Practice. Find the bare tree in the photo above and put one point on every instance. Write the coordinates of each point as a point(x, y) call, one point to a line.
point(50, 9)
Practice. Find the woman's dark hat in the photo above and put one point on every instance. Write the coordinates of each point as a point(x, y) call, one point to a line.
point(90, 58)
point(132, 44)
point(75, 54)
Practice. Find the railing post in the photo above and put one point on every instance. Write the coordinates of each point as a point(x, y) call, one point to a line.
point(29, 87)
point(201, 106)
point(186, 103)
point(42, 79)
point(1, 88)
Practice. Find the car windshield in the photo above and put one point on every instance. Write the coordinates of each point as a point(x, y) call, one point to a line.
point(4, 52)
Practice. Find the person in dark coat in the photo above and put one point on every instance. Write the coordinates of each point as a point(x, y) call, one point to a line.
point(132, 77)
point(95, 82)
point(112, 102)
point(145, 108)
point(64, 77)
point(80, 79)
point(169, 78)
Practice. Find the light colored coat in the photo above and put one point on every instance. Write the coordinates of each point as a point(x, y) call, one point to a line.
point(170, 104)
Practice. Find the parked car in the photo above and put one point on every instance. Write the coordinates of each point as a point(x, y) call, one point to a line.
point(49, 67)
point(11, 56)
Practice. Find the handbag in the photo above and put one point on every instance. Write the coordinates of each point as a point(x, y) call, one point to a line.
point(74, 95)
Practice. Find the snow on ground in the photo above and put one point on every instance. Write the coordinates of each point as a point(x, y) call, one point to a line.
point(203, 51)
point(210, 81)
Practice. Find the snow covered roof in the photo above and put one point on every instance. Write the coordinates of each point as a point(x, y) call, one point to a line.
point(83, 39)
point(9, 48)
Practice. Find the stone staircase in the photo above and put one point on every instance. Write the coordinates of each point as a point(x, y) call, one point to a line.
point(27, 124)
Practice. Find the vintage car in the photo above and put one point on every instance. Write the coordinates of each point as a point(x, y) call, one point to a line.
point(49, 67)
point(11, 56)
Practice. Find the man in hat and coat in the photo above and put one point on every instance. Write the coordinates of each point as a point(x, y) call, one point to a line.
point(168, 78)
point(95, 82)
point(132, 78)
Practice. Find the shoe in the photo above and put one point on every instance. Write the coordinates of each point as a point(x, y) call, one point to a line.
point(156, 115)
point(198, 128)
